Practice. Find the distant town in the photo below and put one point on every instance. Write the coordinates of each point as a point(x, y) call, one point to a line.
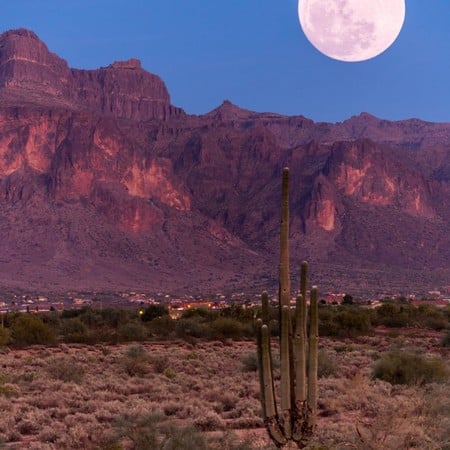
point(35, 303)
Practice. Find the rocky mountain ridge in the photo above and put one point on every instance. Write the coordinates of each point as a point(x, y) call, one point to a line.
point(106, 185)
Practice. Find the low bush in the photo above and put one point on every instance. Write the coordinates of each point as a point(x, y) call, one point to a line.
point(153, 312)
point(410, 367)
point(249, 363)
point(132, 332)
point(226, 328)
point(135, 361)
point(162, 327)
point(344, 322)
point(193, 327)
point(326, 364)
point(64, 369)
point(74, 330)
point(29, 329)
point(446, 340)
point(404, 315)
point(5, 336)
point(150, 432)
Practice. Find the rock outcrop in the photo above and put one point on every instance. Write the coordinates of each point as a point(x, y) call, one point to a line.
point(122, 89)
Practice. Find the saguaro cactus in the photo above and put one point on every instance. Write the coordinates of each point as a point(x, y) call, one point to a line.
point(294, 424)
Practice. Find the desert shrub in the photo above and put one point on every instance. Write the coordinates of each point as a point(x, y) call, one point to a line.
point(113, 317)
point(51, 319)
point(5, 336)
point(238, 312)
point(231, 441)
point(169, 373)
point(74, 330)
point(436, 321)
point(72, 313)
point(159, 362)
point(249, 362)
point(153, 312)
point(132, 332)
point(344, 322)
point(226, 327)
point(162, 327)
point(135, 361)
point(211, 421)
point(149, 432)
point(201, 312)
point(326, 364)
point(7, 390)
point(64, 369)
point(135, 352)
point(29, 329)
point(410, 367)
point(404, 315)
point(193, 327)
point(446, 340)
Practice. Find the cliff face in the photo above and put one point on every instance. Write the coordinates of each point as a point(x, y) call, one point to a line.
point(122, 89)
point(105, 185)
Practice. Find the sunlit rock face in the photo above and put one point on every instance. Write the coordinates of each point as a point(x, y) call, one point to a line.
point(363, 170)
point(106, 185)
point(123, 89)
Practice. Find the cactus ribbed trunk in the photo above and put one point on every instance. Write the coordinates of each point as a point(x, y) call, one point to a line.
point(313, 358)
point(285, 290)
point(293, 425)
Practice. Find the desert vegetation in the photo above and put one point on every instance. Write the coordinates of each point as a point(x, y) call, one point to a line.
point(179, 391)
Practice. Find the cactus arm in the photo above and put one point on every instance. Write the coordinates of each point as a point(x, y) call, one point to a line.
point(259, 324)
point(303, 288)
point(313, 358)
point(265, 307)
point(269, 395)
point(284, 241)
point(285, 368)
point(300, 352)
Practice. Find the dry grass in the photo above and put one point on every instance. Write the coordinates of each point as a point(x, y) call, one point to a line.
point(78, 397)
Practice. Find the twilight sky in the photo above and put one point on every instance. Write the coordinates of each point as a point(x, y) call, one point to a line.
point(252, 52)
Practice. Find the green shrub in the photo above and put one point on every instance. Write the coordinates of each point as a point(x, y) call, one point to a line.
point(162, 327)
point(74, 330)
point(410, 368)
point(29, 329)
point(153, 312)
point(169, 373)
point(344, 322)
point(226, 327)
point(238, 312)
point(326, 364)
point(135, 361)
point(160, 363)
point(249, 362)
point(193, 327)
point(446, 340)
point(132, 332)
point(64, 369)
point(201, 312)
point(404, 315)
point(7, 390)
point(5, 336)
point(148, 432)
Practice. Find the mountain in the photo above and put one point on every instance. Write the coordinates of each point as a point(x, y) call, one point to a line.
point(105, 185)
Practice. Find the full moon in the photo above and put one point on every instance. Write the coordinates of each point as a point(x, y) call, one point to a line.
point(351, 30)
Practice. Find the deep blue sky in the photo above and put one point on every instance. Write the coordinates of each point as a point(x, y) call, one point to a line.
point(252, 52)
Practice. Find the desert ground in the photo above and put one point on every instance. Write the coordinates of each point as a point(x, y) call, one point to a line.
point(200, 394)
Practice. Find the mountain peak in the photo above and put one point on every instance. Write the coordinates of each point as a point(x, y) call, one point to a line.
point(28, 70)
point(131, 63)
